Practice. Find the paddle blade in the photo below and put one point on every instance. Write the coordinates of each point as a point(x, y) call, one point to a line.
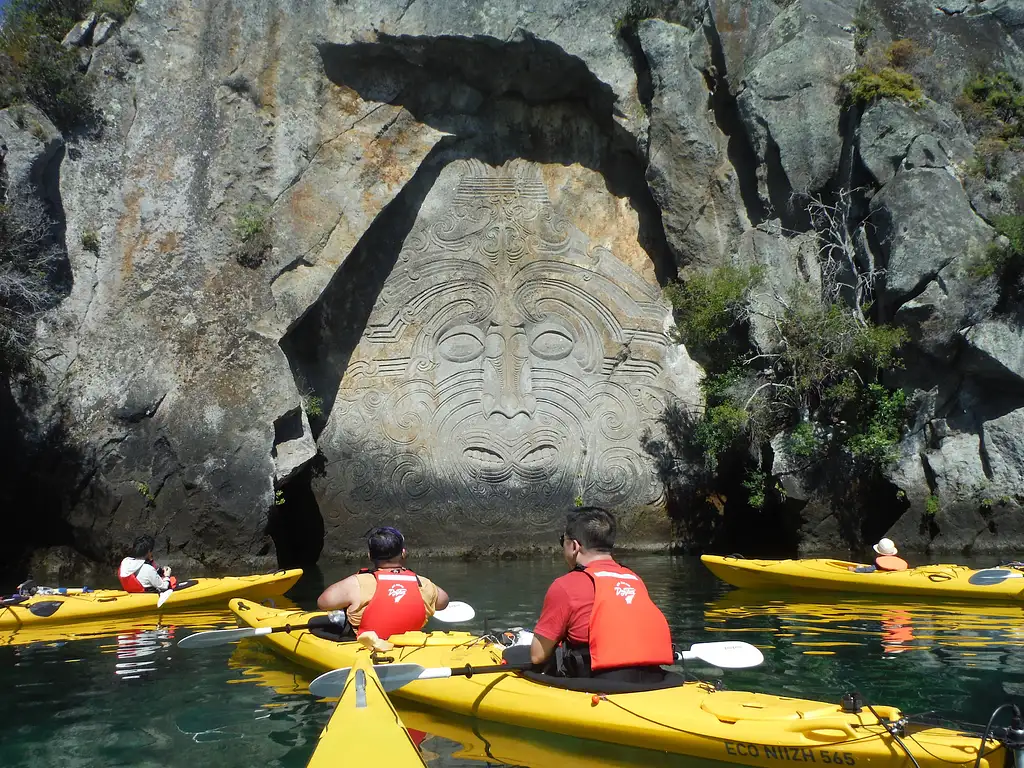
point(216, 637)
point(163, 597)
point(456, 612)
point(992, 576)
point(392, 677)
point(728, 655)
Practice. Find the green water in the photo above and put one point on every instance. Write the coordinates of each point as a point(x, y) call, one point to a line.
point(135, 699)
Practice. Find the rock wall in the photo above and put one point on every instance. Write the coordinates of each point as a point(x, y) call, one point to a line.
point(471, 208)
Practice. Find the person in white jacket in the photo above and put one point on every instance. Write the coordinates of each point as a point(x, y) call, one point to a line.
point(138, 573)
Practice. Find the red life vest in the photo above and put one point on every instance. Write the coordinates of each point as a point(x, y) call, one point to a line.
point(890, 563)
point(626, 628)
point(131, 583)
point(396, 606)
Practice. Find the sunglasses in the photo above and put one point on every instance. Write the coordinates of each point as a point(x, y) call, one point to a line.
point(561, 540)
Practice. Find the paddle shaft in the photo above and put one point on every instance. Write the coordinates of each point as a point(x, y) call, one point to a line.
point(469, 671)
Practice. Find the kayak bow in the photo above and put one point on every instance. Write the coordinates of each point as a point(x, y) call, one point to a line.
point(365, 728)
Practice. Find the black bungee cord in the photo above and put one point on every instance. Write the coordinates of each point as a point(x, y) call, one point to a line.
point(988, 728)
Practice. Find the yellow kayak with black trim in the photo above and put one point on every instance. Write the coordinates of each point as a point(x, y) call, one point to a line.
point(365, 729)
point(957, 582)
point(106, 603)
point(692, 719)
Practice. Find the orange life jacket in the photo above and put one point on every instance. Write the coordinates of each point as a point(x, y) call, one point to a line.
point(396, 606)
point(890, 563)
point(626, 628)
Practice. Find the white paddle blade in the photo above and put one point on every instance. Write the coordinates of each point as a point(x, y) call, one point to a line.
point(456, 612)
point(215, 637)
point(163, 597)
point(728, 655)
point(392, 677)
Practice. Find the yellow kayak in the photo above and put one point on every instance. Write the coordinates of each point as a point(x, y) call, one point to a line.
point(92, 630)
point(365, 729)
point(105, 603)
point(692, 719)
point(956, 582)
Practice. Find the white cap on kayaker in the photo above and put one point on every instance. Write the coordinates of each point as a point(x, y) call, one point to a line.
point(885, 547)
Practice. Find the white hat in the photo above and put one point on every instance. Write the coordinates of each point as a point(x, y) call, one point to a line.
point(885, 547)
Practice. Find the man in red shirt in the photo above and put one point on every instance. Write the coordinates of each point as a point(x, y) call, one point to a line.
point(600, 611)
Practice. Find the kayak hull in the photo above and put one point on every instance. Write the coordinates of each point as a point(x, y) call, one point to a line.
point(952, 582)
point(694, 719)
point(108, 603)
point(365, 729)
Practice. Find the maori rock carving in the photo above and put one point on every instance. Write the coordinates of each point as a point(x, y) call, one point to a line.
point(506, 368)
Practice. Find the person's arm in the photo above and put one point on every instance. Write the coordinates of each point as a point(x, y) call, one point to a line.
point(442, 599)
point(340, 595)
point(552, 626)
point(541, 649)
point(148, 577)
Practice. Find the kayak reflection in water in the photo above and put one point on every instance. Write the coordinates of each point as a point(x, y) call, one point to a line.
point(599, 616)
point(886, 560)
point(386, 598)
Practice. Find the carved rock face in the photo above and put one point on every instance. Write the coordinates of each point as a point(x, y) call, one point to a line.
point(506, 368)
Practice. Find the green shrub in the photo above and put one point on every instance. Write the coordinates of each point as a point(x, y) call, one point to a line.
point(988, 157)
point(314, 406)
point(879, 428)
point(708, 305)
point(998, 97)
point(754, 483)
point(279, 498)
point(931, 505)
point(91, 241)
point(119, 9)
point(253, 232)
point(802, 441)
point(866, 85)
point(35, 68)
point(864, 27)
point(822, 364)
point(718, 431)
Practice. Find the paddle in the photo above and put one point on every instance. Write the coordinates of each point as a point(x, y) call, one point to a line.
point(992, 576)
point(730, 655)
point(455, 612)
point(163, 597)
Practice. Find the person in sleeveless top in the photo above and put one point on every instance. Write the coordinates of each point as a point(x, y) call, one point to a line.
point(598, 620)
point(387, 598)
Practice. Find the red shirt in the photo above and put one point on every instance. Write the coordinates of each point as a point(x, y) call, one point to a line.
point(567, 607)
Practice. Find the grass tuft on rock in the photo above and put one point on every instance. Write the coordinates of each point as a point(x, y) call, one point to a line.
point(865, 85)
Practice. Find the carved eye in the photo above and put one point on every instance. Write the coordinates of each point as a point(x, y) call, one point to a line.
point(551, 345)
point(460, 345)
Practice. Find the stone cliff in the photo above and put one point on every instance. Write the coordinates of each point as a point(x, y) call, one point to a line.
point(340, 262)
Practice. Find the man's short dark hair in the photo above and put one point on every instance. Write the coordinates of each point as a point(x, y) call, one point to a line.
point(142, 546)
point(385, 543)
point(592, 527)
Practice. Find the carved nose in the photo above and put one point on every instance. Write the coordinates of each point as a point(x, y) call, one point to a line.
point(510, 404)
